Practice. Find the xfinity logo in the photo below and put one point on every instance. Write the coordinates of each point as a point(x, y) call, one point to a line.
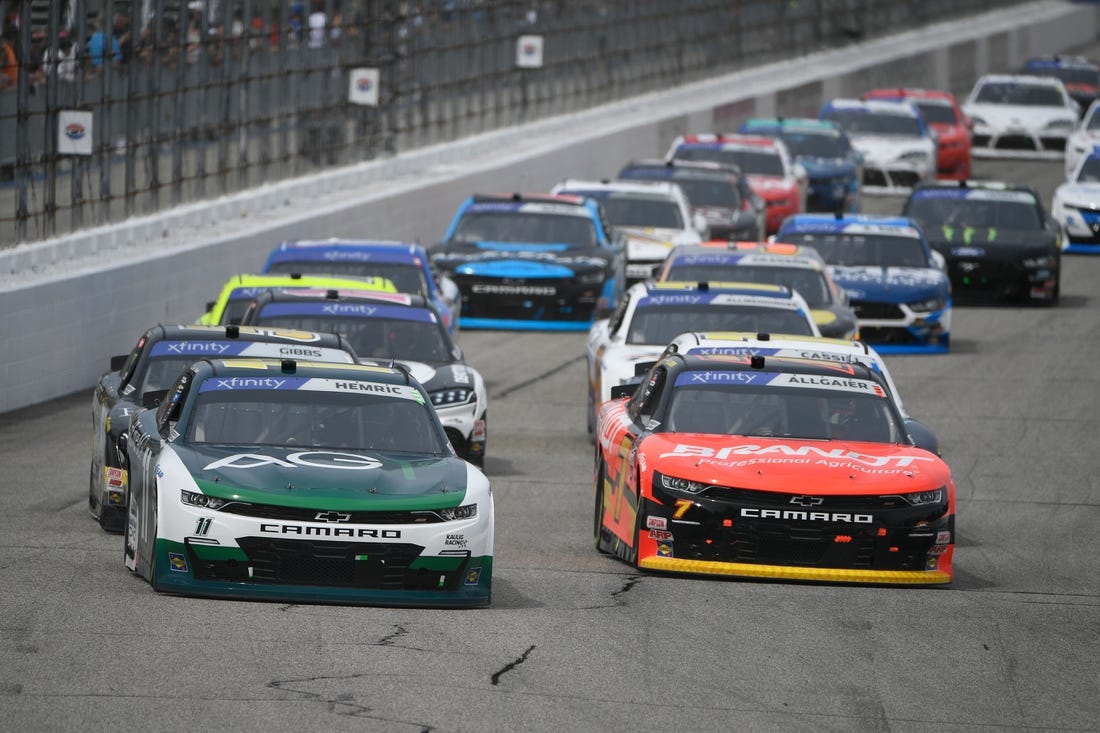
point(250, 383)
point(343, 309)
point(801, 516)
point(307, 459)
point(198, 347)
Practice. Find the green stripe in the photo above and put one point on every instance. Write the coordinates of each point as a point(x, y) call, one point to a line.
point(306, 500)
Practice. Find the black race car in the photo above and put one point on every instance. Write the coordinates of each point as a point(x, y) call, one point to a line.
point(998, 240)
point(161, 355)
point(532, 261)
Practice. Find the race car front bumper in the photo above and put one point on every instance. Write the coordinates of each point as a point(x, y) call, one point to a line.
point(762, 535)
point(902, 328)
point(1081, 226)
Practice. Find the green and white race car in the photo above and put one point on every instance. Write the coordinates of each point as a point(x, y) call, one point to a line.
point(305, 482)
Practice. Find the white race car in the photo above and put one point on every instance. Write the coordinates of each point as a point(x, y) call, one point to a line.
point(652, 314)
point(654, 216)
point(842, 351)
point(1020, 115)
point(1084, 138)
point(898, 149)
point(1076, 207)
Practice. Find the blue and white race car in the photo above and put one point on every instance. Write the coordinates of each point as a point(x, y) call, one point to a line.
point(653, 314)
point(532, 261)
point(1076, 207)
point(897, 284)
point(405, 264)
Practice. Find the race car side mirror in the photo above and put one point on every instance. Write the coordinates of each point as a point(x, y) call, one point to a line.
point(153, 399)
point(922, 436)
point(623, 390)
point(117, 362)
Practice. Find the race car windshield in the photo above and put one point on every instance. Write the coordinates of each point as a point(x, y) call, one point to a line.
point(1090, 171)
point(576, 232)
point(1069, 74)
point(770, 411)
point(713, 193)
point(624, 211)
point(1026, 95)
point(762, 163)
point(864, 250)
point(937, 112)
point(809, 283)
point(815, 145)
point(661, 324)
point(946, 213)
point(862, 122)
point(160, 373)
point(407, 278)
point(376, 338)
point(316, 419)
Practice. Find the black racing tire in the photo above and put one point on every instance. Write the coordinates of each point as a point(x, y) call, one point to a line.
point(599, 534)
point(93, 501)
point(637, 534)
point(591, 416)
point(153, 549)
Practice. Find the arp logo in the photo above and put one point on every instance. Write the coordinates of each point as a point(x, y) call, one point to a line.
point(75, 131)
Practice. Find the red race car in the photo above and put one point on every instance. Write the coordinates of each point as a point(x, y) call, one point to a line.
point(771, 170)
point(941, 112)
point(769, 467)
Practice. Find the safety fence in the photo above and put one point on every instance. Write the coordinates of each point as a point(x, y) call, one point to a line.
point(137, 107)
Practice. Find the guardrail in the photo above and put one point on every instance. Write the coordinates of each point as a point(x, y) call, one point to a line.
point(68, 304)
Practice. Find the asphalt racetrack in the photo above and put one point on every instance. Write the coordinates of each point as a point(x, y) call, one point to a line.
point(576, 641)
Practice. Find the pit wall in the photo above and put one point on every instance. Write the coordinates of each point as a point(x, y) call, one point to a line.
point(68, 304)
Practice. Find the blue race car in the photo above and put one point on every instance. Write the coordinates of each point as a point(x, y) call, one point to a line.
point(834, 167)
point(405, 264)
point(532, 261)
point(897, 284)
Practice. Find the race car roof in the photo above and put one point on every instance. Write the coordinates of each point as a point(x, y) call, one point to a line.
point(346, 251)
point(977, 190)
point(776, 371)
point(780, 254)
point(769, 125)
point(345, 304)
point(899, 226)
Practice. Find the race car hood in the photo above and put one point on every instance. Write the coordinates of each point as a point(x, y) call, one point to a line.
point(1081, 195)
point(437, 377)
point(825, 467)
point(1004, 116)
point(817, 168)
point(891, 284)
point(527, 261)
point(649, 243)
point(311, 477)
point(772, 187)
point(878, 149)
point(990, 242)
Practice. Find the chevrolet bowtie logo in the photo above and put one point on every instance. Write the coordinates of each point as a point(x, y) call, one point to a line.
point(807, 500)
point(331, 517)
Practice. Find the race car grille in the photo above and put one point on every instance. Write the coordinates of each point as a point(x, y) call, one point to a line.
point(370, 565)
point(877, 311)
point(842, 532)
point(335, 518)
point(1015, 142)
point(874, 177)
point(906, 179)
point(542, 300)
point(795, 501)
point(887, 335)
point(988, 277)
point(1053, 143)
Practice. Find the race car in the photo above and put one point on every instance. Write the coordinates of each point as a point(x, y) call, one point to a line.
point(652, 314)
point(897, 284)
point(995, 237)
point(653, 217)
point(298, 481)
point(1080, 75)
point(159, 356)
point(940, 111)
point(770, 467)
point(771, 172)
point(1084, 139)
point(239, 291)
point(405, 264)
point(1076, 207)
point(1020, 115)
point(532, 261)
point(720, 194)
point(898, 149)
point(844, 351)
point(834, 169)
point(383, 327)
point(797, 267)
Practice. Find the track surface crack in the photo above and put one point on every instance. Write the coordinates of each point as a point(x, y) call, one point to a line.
point(512, 665)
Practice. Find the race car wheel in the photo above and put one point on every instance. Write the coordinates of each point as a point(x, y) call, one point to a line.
point(591, 413)
point(91, 489)
point(637, 536)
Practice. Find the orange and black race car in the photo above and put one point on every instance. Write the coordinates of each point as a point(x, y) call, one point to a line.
point(770, 467)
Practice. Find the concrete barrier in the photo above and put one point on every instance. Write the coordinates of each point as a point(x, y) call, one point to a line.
point(68, 304)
